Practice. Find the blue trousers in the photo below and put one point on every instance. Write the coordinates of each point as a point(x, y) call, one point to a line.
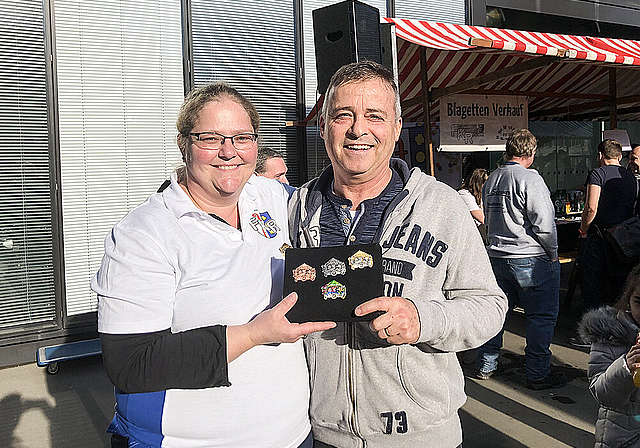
point(534, 284)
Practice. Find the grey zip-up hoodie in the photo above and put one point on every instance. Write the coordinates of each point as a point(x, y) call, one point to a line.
point(519, 214)
point(368, 393)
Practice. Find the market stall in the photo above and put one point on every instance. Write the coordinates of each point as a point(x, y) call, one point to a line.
point(563, 77)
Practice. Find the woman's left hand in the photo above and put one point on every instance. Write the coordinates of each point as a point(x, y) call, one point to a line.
point(272, 326)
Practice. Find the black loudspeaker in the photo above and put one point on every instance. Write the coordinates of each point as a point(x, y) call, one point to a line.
point(389, 48)
point(345, 32)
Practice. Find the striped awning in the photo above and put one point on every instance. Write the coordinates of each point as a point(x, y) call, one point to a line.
point(565, 77)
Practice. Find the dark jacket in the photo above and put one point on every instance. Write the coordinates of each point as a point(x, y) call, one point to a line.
point(611, 334)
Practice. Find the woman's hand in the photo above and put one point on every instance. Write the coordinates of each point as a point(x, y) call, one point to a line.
point(269, 327)
point(272, 326)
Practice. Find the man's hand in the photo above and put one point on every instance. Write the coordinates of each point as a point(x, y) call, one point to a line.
point(400, 323)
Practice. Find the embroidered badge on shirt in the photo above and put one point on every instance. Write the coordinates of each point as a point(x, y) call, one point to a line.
point(303, 273)
point(334, 290)
point(334, 267)
point(264, 223)
point(360, 260)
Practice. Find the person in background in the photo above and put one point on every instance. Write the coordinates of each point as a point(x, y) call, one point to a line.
point(614, 356)
point(471, 194)
point(634, 160)
point(523, 249)
point(395, 381)
point(190, 316)
point(610, 196)
point(634, 167)
point(270, 164)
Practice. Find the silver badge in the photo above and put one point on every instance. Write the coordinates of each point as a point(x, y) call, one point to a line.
point(334, 267)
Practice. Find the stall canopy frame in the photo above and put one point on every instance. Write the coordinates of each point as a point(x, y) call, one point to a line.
point(566, 77)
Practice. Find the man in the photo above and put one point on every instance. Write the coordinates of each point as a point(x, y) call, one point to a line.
point(271, 164)
point(396, 381)
point(634, 161)
point(634, 167)
point(611, 192)
point(523, 249)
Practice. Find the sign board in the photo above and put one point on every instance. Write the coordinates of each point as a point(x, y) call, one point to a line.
point(480, 122)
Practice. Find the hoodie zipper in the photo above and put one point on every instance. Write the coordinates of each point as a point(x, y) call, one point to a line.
point(351, 335)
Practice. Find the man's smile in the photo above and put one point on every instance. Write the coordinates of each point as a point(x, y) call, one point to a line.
point(358, 147)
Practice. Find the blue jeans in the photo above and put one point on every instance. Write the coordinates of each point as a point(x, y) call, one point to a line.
point(602, 275)
point(534, 284)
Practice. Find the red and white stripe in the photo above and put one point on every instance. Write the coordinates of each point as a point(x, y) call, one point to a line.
point(451, 59)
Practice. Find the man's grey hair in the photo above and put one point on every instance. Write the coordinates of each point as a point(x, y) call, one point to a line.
point(521, 143)
point(360, 72)
point(265, 154)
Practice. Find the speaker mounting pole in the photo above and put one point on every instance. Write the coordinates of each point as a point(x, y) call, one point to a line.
point(428, 144)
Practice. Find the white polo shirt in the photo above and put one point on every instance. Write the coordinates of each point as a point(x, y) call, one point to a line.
point(168, 264)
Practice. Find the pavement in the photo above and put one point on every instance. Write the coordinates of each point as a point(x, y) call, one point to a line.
point(74, 407)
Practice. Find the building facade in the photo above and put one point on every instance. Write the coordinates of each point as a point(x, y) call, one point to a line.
point(89, 93)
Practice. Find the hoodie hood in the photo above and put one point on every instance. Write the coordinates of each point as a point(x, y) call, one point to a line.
point(311, 192)
point(608, 325)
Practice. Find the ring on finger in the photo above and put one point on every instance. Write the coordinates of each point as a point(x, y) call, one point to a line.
point(386, 332)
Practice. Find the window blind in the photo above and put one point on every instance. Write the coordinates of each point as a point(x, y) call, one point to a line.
point(27, 294)
point(250, 45)
point(120, 85)
point(447, 11)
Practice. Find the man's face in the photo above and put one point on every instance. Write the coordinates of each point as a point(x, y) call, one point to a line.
point(360, 130)
point(275, 168)
point(634, 160)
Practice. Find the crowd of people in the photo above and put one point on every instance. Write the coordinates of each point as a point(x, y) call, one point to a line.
point(190, 310)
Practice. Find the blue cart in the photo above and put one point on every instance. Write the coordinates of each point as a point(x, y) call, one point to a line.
point(51, 355)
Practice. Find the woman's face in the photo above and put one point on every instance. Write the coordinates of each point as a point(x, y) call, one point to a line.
point(220, 173)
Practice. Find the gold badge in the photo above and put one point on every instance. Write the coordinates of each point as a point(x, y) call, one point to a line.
point(360, 260)
point(284, 247)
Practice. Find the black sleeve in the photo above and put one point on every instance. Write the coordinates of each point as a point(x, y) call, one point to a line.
point(150, 362)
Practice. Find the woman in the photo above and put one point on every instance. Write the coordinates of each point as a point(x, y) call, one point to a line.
point(471, 193)
point(185, 291)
